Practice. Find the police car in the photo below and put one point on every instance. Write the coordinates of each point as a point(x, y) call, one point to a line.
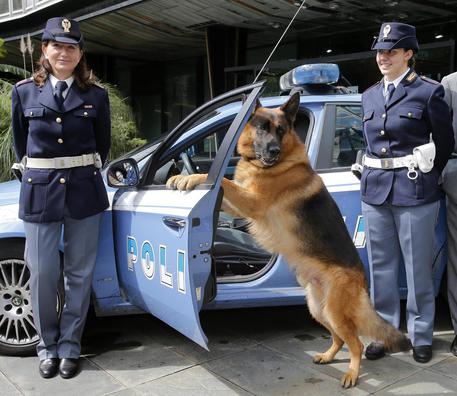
point(172, 253)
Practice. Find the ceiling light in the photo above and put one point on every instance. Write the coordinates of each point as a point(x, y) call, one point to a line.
point(329, 51)
point(438, 36)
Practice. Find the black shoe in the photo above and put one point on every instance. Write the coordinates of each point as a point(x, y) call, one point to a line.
point(48, 367)
point(454, 346)
point(422, 353)
point(375, 351)
point(68, 367)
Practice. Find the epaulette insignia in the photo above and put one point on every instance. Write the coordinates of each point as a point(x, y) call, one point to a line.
point(412, 76)
point(27, 80)
point(429, 80)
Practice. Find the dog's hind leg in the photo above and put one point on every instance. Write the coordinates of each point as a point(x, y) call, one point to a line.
point(346, 329)
point(329, 354)
point(314, 299)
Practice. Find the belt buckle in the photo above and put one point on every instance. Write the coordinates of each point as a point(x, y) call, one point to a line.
point(386, 163)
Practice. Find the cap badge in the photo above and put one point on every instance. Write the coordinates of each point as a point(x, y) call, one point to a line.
point(66, 25)
point(386, 31)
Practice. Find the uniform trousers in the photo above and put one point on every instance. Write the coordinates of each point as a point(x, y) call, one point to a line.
point(61, 337)
point(449, 177)
point(397, 234)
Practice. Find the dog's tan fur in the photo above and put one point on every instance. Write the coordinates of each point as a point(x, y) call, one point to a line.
point(268, 196)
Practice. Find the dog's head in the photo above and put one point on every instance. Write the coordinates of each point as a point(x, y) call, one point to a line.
point(268, 134)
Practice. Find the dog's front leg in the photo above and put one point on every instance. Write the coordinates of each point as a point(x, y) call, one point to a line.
point(243, 202)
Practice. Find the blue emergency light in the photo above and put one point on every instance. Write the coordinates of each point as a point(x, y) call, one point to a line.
point(318, 73)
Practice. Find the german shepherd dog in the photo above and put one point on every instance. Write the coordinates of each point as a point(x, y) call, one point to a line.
point(292, 213)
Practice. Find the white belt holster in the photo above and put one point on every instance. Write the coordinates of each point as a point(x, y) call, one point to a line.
point(422, 157)
point(64, 162)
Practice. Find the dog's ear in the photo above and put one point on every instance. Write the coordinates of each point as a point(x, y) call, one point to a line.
point(257, 104)
point(290, 108)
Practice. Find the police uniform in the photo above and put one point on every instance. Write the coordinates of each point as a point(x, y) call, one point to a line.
point(61, 186)
point(400, 205)
point(449, 178)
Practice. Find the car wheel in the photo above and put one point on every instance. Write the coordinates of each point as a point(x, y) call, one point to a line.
point(18, 334)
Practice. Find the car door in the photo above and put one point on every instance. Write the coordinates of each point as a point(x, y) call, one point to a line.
point(163, 238)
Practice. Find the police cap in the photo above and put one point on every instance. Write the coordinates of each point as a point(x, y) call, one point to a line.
point(396, 35)
point(63, 30)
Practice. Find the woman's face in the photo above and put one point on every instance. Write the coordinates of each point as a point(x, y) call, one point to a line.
point(393, 63)
point(63, 58)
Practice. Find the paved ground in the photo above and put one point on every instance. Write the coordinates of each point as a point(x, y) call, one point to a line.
point(253, 352)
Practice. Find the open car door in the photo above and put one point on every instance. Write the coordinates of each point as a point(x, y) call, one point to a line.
point(163, 238)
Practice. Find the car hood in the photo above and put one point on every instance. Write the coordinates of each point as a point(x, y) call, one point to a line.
point(9, 192)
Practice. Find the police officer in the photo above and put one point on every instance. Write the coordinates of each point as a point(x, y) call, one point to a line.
point(402, 113)
point(449, 178)
point(61, 128)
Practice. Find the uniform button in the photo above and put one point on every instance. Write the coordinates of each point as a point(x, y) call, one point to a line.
point(383, 150)
point(31, 113)
point(382, 132)
point(29, 180)
point(58, 120)
point(59, 140)
point(95, 172)
point(85, 114)
point(383, 115)
point(410, 114)
point(62, 180)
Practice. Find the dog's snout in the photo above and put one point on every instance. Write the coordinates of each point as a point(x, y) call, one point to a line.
point(273, 150)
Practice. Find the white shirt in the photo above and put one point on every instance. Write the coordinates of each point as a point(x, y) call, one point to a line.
point(54, 80)
point(394, 82)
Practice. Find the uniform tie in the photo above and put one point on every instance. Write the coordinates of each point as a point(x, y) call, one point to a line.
point(390, 91)
point(58, 94)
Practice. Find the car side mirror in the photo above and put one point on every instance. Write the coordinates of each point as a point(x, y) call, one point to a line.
point(123, 173)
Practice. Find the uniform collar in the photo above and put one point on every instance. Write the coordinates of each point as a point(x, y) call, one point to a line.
point(396, 81)
point(54, 80)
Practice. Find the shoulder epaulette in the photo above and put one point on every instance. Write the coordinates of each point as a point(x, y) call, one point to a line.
point(429, 80)
point(25, 81)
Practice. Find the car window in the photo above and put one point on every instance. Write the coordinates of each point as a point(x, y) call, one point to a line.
point(342, 136)
point(348, 137)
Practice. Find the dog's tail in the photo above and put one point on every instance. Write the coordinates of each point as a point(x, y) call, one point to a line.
point(379, 329)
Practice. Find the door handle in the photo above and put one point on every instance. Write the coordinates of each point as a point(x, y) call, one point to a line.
point(175, 223)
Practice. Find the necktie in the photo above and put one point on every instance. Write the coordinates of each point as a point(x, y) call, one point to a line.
point(390, 91)
point(58, 94)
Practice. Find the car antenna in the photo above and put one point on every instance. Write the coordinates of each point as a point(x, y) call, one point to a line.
point(279, 41)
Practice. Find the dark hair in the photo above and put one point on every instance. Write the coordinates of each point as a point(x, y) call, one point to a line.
point(412, 62)
point(84, 77)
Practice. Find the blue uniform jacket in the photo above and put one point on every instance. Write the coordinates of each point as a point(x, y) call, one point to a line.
point(416, 110)
point(42, 130)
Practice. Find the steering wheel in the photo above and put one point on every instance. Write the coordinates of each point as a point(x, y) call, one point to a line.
point(189, 166)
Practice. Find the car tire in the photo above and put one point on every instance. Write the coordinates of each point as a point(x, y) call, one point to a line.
point(18, 335)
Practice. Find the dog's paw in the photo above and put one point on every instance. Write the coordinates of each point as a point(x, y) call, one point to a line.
point(322, 358)
point(185, 183)
point(349, 379)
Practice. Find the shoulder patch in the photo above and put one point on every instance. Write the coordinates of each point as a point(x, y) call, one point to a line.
point(429, 80)
point(411, 77)
point(25, 81)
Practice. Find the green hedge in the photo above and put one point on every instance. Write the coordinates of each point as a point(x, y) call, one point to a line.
point(124, 134)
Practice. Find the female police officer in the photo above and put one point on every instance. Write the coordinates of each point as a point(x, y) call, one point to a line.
point(61, 129)
point(400, 204)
